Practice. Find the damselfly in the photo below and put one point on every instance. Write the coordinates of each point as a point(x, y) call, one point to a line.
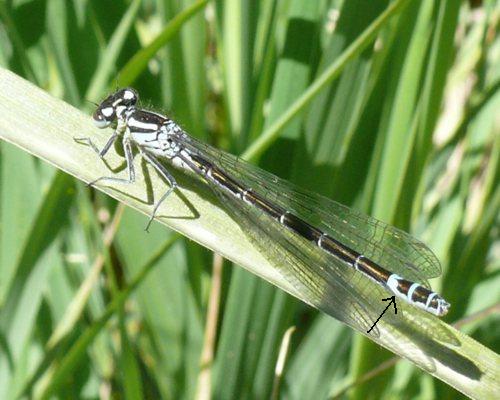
point(324, 248)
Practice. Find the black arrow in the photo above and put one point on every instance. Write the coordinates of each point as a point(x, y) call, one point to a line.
point(393, 300)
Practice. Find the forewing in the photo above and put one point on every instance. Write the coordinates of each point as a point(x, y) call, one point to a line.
point(386, 245)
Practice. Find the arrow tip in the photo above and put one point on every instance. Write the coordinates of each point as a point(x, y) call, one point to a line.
point(393, 301)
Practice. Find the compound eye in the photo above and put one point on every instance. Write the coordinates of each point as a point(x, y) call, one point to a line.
point(103, 117)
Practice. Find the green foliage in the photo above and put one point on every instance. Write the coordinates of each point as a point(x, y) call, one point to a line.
point(389, 107)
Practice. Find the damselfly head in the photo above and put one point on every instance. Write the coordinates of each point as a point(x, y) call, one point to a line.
point(113, 106)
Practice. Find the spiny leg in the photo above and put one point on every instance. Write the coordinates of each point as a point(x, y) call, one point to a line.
point(165, 175)
point(127, 148)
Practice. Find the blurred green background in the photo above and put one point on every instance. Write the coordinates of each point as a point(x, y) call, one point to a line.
point(408, 132)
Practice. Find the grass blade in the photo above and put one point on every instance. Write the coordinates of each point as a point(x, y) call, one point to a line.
point(139, 61)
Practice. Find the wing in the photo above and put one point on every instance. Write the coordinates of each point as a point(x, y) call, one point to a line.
point(386, 245)
point(324, 281)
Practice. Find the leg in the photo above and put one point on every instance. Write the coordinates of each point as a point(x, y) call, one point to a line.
point(107, 146)
point(101, 153)
point(127, 148)
point(165, 175)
